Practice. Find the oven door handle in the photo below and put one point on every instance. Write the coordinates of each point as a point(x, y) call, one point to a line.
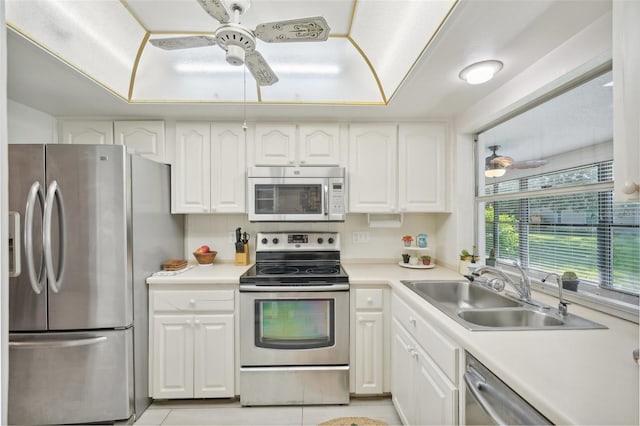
point(294, 288)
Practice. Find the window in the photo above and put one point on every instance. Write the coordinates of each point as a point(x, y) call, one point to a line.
point(552, 209)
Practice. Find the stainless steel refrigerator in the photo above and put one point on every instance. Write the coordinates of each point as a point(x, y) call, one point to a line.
point(95, 223)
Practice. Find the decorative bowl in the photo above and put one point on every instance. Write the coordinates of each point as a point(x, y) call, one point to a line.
point(205, 258)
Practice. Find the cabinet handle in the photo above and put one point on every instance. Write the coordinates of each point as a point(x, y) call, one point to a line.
point(369, 300)
point(188, 322)
point(192, 302)
point(302, 161)
point(412, 321)
point(196, 322)
point(630, 188)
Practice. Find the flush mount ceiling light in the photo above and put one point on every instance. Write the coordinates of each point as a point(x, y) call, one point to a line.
point(480, 72)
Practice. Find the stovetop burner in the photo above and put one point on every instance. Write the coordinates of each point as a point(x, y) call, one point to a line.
point(297, 259)
point(277, 270)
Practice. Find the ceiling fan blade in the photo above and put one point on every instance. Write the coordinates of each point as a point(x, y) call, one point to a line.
point(528, 164)
point(501, 161)
point(216, 9)
point(303, 29)
point(185, 42)
point(260, 70)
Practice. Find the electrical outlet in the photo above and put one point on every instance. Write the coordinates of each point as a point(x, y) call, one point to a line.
point(232, 237)
point(361, 237)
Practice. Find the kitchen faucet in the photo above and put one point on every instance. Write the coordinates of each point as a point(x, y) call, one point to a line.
point(562, 305)
point(523, 287)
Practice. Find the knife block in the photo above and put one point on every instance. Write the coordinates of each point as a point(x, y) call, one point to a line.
point(243, 258)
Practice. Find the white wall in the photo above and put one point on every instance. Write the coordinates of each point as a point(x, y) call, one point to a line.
point(28, 125)
point(384, 244)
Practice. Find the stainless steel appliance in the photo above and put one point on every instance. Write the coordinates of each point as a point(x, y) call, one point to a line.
point(296, 194)
point(488, 401)
point(96, 222)
point(294, 322)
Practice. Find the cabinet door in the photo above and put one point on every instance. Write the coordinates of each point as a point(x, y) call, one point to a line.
point(436, 396)
point(402, 373)
point(372, 168)
point(87, 132)
point(172, 367)
point(275, 144)
point(626, 102)
point(319, 145)
point(228, 167)
point(145, 137)
point(214, 356)
point(422, 167)
point(191, 177)
point(369, 352)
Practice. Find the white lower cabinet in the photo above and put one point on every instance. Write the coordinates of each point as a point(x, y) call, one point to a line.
point(371, 351)
point(423, 391)
point(191, 344)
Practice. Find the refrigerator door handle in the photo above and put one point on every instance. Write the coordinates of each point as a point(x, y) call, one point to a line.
point(55, 279)
point(37, 281)
point(42, 344)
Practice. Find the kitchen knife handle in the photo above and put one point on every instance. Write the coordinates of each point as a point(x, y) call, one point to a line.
point(37, 282)
point(55, 279)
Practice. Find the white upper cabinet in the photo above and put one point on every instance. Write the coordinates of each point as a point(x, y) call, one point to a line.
point(228, 168)
point(319, 145)
point(86, 132)
point(422, 167)
point(144, 137)
point(191, 174)
point(373, 158)
point(209, 169)
point(397, 168)
point(626, 100)
point(281, 144)
point(275, 144)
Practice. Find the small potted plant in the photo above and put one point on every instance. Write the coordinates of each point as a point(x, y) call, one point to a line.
point(570, 281)
point(426, 260)
point(407, 240)
point(465, 255)
point(491, 260)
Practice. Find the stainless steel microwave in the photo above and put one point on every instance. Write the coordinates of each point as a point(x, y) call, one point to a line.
point(296, 194)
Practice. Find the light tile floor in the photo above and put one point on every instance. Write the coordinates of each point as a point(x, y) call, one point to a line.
point(230, 412)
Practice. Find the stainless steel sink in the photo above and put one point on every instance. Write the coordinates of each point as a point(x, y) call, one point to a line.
point(510, 318)
point(479, 308)
point(460, 294)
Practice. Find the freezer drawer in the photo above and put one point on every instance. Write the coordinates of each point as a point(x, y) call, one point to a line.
point(75, 377)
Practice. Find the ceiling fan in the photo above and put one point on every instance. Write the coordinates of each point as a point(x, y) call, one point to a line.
point(240, 42)
point(497, 165)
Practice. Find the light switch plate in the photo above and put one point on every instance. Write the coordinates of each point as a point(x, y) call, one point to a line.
point(361, 237)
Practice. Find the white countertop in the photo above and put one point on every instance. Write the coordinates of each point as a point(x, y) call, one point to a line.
point(571, 376)
point(215, 273)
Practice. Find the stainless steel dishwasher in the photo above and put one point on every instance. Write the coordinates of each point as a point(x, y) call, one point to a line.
point(488, 401)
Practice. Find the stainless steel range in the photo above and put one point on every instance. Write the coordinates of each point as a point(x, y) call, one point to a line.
point(294, 322)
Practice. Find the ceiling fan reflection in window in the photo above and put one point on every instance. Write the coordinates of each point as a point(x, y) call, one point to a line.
point(496, 165)
point(239, 42)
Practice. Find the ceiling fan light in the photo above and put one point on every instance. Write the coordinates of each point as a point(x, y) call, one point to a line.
point(480, 72)
point(495, 172)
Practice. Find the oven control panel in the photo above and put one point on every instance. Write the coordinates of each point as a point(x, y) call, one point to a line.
point(292, 241)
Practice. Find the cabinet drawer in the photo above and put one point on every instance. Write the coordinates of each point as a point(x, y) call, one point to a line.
point(369, 298)
point(205, 300)
point(441, 350)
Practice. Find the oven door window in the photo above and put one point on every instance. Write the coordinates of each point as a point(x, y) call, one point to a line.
point(294, 323)
point(288, 199)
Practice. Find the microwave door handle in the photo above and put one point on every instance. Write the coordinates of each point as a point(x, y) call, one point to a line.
point(326, 200)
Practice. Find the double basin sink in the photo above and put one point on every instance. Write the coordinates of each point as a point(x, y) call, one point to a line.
point(479, 308)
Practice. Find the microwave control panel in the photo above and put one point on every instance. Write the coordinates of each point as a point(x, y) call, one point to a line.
point(336, 197)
